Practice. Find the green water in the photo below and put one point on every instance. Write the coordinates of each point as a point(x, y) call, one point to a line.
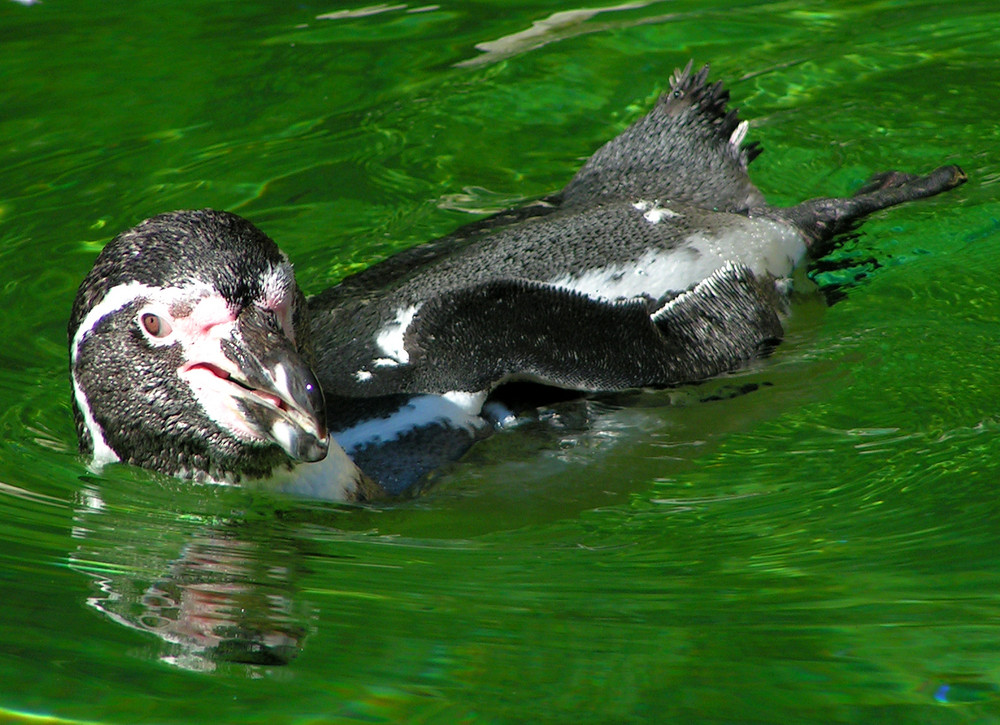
point(824, 548)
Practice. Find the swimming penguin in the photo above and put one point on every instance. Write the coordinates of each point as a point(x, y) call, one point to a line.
point(193, 351)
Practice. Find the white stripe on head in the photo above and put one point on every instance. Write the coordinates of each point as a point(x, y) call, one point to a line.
point(124, 294)
point(103, 453)
point(114, 299)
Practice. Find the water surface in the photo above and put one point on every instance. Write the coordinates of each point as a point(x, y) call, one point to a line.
point(811, 540)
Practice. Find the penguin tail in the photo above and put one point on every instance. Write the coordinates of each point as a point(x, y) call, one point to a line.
point(689, 149)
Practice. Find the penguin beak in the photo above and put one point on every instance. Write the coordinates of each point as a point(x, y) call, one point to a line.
point(276, 391)
point(251, 380)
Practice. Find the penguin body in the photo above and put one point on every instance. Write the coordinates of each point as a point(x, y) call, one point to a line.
point(660, 263)
point(602, 259)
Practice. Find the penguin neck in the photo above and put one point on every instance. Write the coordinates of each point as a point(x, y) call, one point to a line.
point(335, 478)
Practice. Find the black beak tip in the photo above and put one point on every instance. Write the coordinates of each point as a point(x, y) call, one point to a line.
point(299, 442)
point(312, 449)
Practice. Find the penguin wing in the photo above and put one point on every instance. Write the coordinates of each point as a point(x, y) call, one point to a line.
point(474, 338)
point(688, 148)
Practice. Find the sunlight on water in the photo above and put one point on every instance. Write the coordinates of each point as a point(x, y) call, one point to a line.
point(809, 540)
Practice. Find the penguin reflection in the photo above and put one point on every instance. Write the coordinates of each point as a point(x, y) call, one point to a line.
point(211, 590)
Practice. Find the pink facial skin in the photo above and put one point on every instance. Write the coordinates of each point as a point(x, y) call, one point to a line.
point(201, 329)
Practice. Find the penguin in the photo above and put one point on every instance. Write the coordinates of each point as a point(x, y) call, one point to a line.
point(193, 351)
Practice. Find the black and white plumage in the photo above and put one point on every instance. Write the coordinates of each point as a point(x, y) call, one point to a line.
point(158, 352)
point(659, 263)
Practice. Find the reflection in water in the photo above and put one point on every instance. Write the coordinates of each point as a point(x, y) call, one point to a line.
point(213, 571)
point(213, 590)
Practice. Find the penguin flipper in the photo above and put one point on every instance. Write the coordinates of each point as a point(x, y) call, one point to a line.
point(688, 148)
point(475, 338)
point(724, 321)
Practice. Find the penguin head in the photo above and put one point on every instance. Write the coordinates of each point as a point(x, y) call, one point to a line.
point(189, 352)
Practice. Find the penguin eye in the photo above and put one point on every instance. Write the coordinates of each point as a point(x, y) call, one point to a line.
point(155, 325)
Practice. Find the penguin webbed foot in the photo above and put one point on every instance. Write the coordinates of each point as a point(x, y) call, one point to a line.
point(941, 179)
point(885, 180)
point(823, 219)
